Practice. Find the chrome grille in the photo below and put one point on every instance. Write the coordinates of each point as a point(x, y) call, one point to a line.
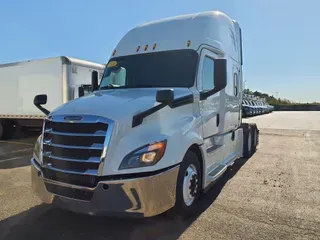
point(77, 128)
point(85, 140)
point(74, 151)
point(71, 165)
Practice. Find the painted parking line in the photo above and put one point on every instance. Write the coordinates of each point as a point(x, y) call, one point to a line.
point(22, 150)
point(13, 152)
point(10, 159)
point(18, 143)
point(6, 147)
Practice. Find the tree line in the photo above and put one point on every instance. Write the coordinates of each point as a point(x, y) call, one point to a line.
point(275, 101)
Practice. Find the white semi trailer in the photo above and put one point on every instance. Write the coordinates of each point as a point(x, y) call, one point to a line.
point(161, 127)
point(58, 77)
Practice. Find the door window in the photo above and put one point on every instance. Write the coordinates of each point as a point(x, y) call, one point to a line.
point(207, 74)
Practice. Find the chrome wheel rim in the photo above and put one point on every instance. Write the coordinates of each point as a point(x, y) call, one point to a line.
point(249, 142)
point(190, 185)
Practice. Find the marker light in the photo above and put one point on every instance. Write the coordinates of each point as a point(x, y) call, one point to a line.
point(138, 48)
point(188, 43)
point(154, 46)
point(146, 47)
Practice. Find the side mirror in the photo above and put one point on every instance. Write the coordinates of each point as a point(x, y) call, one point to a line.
point(220, 78)
point(41, 100)
point(220, 74)
point(80, 91)
point(94, 81)
point(165, 96)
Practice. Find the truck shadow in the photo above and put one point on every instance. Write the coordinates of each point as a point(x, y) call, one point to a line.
point(46, 222)
point(17, 151)
point(26, 136)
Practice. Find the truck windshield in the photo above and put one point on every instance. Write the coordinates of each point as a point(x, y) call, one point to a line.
point(160, 69)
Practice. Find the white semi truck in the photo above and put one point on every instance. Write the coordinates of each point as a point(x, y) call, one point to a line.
point(61, 78)
point(160, 128)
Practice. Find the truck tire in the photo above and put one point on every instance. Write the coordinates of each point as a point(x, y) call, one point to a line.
point(255, 138)
point(6, 129)
point(188, 188)
point(247, 141)
point(1, 130)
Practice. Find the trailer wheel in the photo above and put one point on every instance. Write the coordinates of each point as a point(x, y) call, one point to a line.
point(188, 188)
point(1, 130)
point(6, 129)
point(247, 142)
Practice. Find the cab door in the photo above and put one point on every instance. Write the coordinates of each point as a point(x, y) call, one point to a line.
point(211, 111)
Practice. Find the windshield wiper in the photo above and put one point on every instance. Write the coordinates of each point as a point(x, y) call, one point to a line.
point(142, 86)
point(112, 86)
point(109, 86)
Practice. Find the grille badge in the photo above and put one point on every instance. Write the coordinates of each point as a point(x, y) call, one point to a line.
point(73, 118)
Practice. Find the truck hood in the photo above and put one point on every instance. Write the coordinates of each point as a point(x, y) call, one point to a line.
point(115, 104)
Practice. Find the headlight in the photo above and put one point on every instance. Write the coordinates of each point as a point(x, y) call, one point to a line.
point(37, 150)
point(145, 156)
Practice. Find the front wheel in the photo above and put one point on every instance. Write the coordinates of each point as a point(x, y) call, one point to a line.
point(188, 188)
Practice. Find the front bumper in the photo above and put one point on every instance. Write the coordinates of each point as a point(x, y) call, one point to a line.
point(145, 196)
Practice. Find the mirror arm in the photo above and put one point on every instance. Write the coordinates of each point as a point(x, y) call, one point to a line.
point(205, 95)
point(138, 118)
point(181, 101)
point(42, 109)
point(178, 102)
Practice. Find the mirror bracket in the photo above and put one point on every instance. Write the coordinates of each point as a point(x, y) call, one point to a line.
point(206, 94)
point(81, 91)
point(94, 80)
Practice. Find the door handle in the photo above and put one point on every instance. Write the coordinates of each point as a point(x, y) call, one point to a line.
point(218, 119)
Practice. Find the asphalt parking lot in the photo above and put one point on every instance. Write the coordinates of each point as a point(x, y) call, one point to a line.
point(273, 195)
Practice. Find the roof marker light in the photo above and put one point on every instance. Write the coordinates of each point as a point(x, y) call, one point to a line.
point(138, 48)
point(146, 47)
point(154, 46)
point(188, 43)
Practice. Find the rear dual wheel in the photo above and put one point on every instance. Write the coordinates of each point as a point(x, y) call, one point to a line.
point(1, 130)
point(250, 139)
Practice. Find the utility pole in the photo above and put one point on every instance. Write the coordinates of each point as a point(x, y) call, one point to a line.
point(244, 84)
